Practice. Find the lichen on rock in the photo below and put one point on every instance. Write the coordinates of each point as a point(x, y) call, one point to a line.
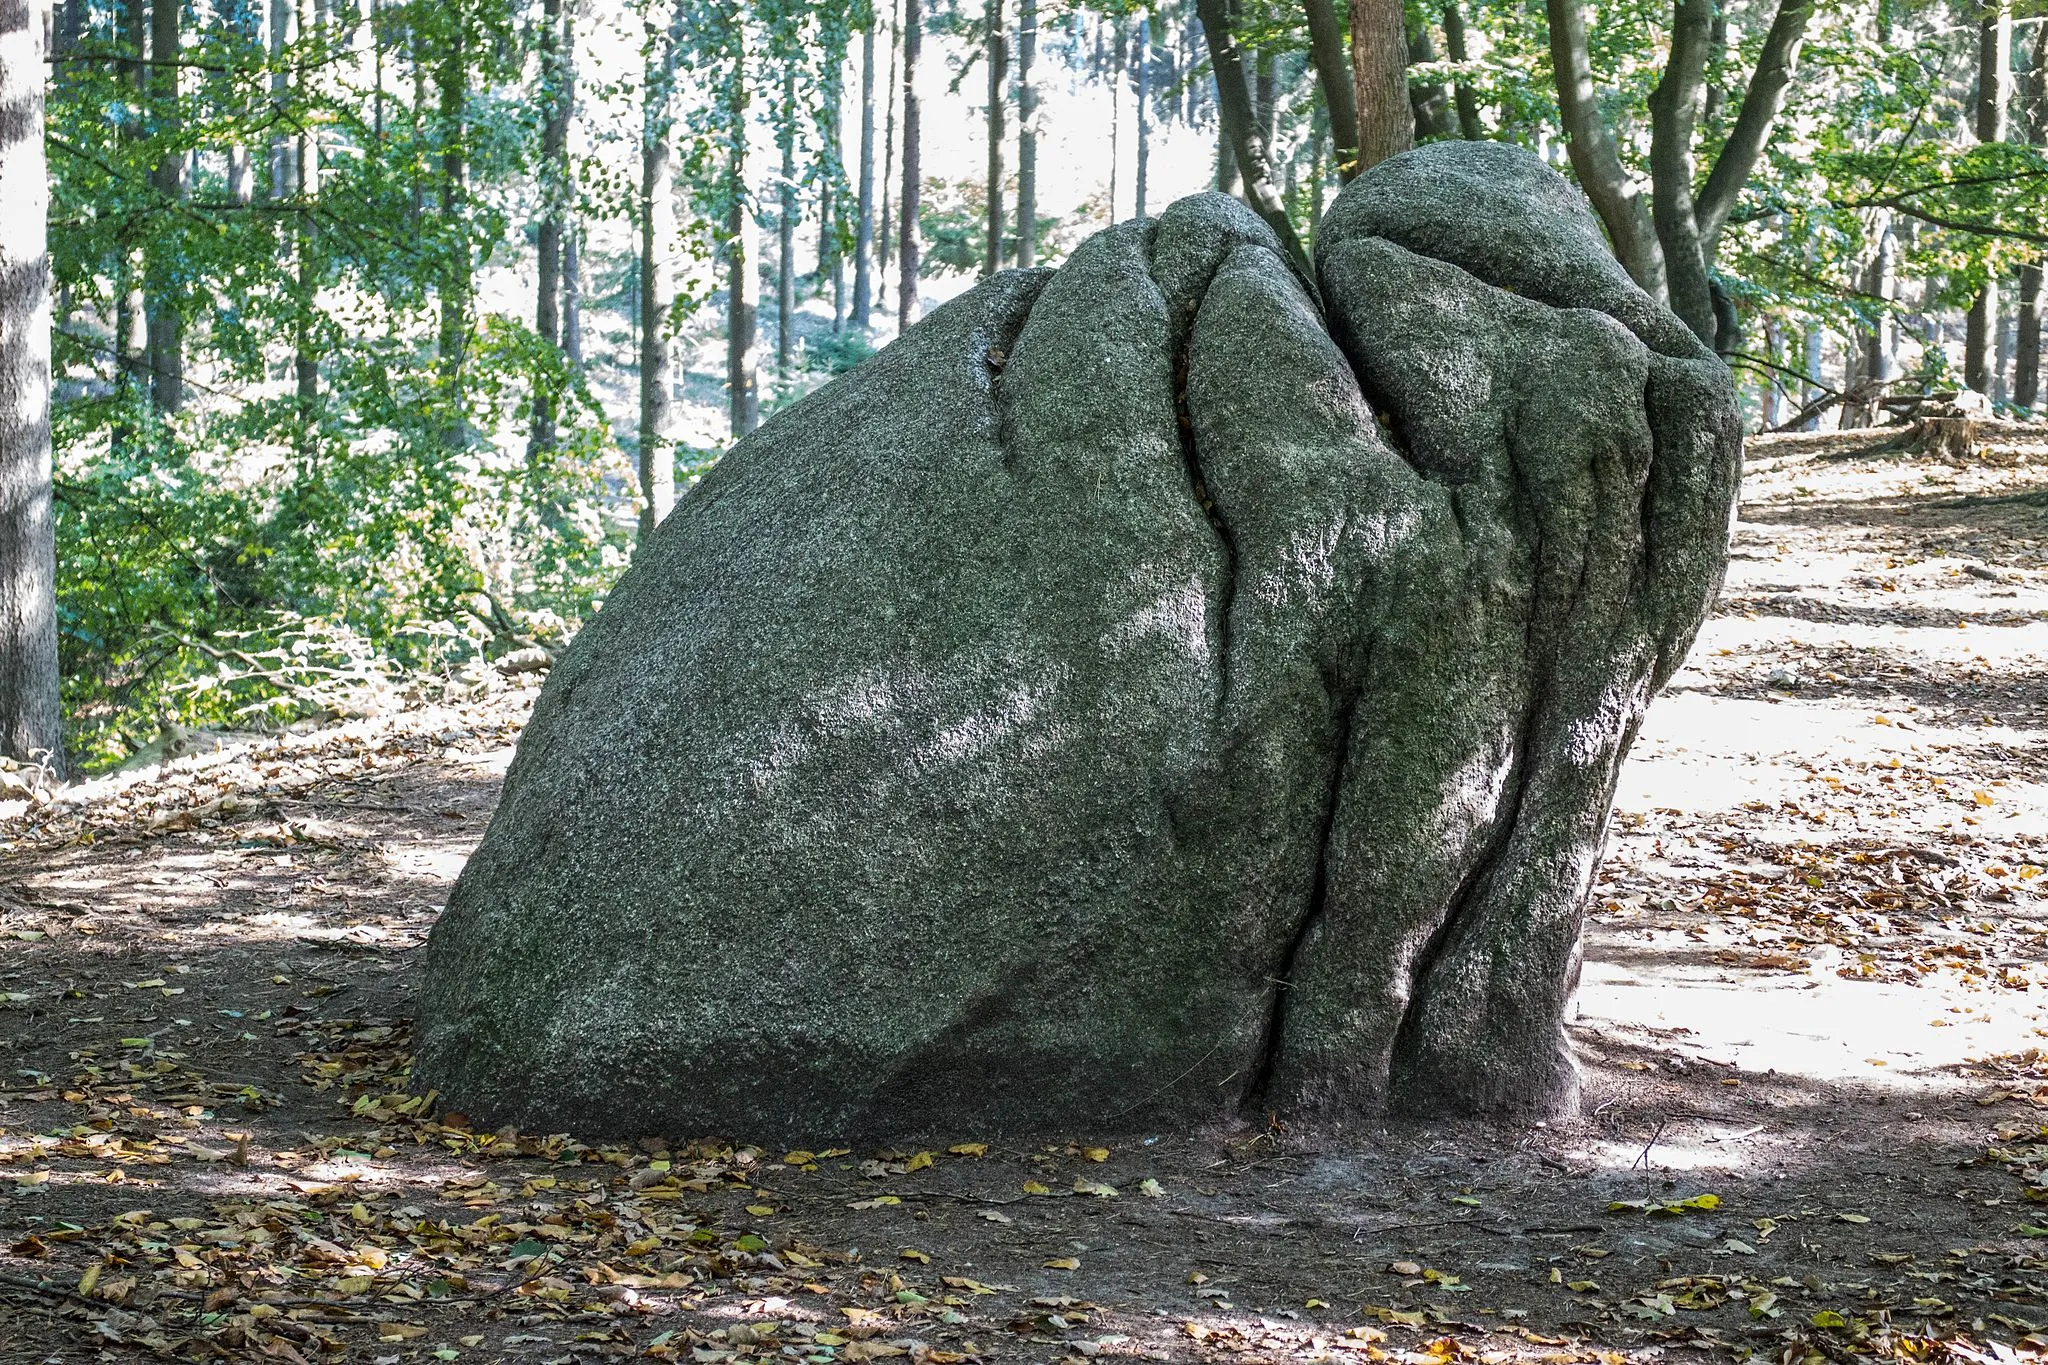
point(1145, 690)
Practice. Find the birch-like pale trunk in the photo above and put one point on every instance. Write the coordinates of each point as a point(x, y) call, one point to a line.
point(31, 722)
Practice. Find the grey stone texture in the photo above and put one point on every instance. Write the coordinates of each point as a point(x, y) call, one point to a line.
point(1141, 693)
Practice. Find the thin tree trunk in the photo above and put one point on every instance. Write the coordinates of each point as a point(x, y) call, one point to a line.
point(1994, 90)
point(785, 231)
point(2027, 353)
point(1266, 92)
point(1613, 193)
point(1469, 126)
point(2026, 388)
point(1432, 103)
point(131, 315)
point(885, 244)
point(284, 35)
point(1379, 80)
point(1234, 105)
point(742, 250)
point(657, 280)
point(554, 209)
point(998, 98)
point(1116, 116)
point(377, 71)
point(572, 293)
point(1881, 352)
point(1144, 109)
point(909, 253)
point(554, 147)
point(305, 367)
point(1674, 115)
point(31, 720)
point(452, 90)
point(1333, 74)
point(1027, 135)
point(864, 226)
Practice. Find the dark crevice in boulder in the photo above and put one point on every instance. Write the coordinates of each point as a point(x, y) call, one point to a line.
point(997, 345)
point(1267, 1061)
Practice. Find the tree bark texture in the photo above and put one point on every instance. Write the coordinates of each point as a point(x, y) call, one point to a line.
point(1469, 126)
point(657, 465)
point(2026, 383)
point(785, 229)
point(131, 313)
point(1333, 76)
point(1141, 816)
point(742, 247)
point(884, 242)
point(451, 79)
point(1379, 80)
point(1027, 135)
point(910, 254)
point(166, 332)
point(1240, 127)
point(1430, 100)
point(864, 223)
point(31, 722)
point(1144, 103)
point(1994, 99)
point(306, 175)
point(997, 37)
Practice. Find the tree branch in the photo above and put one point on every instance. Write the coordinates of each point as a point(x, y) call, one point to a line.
point(1234, 103)
point(1752, 132)
point(1674, 119)
point(1601, 175)
point(1333, 74)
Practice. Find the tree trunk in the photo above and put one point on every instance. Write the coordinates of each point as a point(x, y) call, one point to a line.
point(2027, 346)
point(1994, 91)
point(284, 34)
point(572, 293)
point(1432, 103)
point(1614, 195)
point(1379, 80)
point(1234, 106)
point(1116, 115)
point(305, 367)
point(1333, 75)
point(1674, 117)
point(864, 225)
point(1027, 135)
point(166, 332)
point(31, 719)
point(554, 157)
point(742, 249)
point(452, 91)
point(2026, 385)
point(1144, 109)
point(1266, 88)
point(785, 230)
point(554, 205)
point(657, 280)
point(884, 243)
point(997, 36)
point(131, 313)
point(1881, 352)
point(1469, 126)
point(909, 254)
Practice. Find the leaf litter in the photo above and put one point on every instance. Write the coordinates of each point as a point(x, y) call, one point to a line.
point(212, 1149)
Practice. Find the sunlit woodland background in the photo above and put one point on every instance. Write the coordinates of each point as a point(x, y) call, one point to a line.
point(381, 327)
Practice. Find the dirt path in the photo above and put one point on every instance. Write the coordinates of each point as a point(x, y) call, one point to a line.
point(1810, 1015)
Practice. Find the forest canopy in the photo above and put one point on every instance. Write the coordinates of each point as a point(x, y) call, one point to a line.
point(382, 330)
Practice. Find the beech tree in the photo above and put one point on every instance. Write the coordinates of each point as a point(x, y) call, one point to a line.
point(30, 724)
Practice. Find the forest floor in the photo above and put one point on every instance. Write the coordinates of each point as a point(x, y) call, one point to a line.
point(1812, 1028)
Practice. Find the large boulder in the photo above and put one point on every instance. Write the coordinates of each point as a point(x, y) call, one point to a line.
point(1146, 690)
